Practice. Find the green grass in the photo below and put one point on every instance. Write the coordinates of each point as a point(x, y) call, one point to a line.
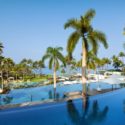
point(38, 78)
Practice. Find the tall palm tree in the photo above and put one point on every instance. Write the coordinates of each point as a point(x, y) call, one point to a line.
point(55, 56)
point(90, 38)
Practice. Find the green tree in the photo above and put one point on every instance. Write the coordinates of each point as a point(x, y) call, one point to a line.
point(8, 66)
point(40, 66)
point(105, 63)
point(55, 57)
point(122, 55)
point(117, 63)
point(90, 38)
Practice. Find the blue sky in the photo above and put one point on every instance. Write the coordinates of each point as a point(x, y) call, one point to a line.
point(28, 27)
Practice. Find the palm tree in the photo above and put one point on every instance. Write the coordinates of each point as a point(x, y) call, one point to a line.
point(105, 62)
point(122, 55)
point(35, 67)
point(40, 65)
point(26, 67)
point(90, 38)
point(116, 62)
point(8, 65)
point(55, 56)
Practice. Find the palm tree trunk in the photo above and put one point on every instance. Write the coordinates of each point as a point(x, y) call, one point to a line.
point(54, 76)
point(84, 54)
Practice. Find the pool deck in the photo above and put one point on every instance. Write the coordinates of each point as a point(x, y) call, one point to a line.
point(69, 96)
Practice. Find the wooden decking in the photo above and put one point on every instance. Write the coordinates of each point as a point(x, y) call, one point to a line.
point(95, 92)
point(78, 94)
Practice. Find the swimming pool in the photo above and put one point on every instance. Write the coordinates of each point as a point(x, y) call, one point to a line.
point(105, 109)
point(42, 93)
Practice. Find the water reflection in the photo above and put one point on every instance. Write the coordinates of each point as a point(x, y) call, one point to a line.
point(53, 95)
point(124, 105)
point(90, 114)
point(6, 100)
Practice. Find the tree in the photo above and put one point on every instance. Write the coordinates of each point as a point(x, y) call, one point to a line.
point(116, 62)
point(26, 67)
point(8, 65)
point(55, 56)
point(40, 66)
point(90, 38)
point(122, 55)
point(105, 62)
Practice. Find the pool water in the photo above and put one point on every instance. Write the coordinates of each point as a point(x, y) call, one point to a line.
point(105, 109)
point(43, 93)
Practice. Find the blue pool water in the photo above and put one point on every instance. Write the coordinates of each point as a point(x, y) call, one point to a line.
point(43, 93)
point(105, 109)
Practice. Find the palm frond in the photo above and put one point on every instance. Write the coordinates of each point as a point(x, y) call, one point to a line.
point(74, 23)
point(72, 41)
point(61, 58)
point(59, 48)
point(99, 36)
point(46, 56)
point(94, 44)
point(89, 15)
point(49, 50)
point(50, 63)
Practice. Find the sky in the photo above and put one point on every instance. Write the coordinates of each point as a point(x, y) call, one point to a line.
point(28, 27)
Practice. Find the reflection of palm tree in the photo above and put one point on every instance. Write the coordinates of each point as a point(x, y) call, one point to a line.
point(124, 105)
point(53, 95)
point(7, 99)
point(89, 115)
point(50, 94)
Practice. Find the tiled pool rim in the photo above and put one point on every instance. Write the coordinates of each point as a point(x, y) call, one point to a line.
point(53, 102)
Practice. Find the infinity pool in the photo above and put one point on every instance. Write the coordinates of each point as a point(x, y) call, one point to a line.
point(43, 93)
point(105, 109)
